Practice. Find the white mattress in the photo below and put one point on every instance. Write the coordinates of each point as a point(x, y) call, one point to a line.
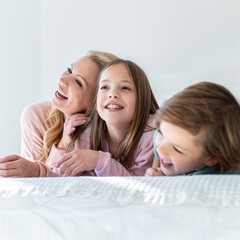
point(195, 207)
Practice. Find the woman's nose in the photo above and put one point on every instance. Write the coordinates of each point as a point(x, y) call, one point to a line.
point(63, 81)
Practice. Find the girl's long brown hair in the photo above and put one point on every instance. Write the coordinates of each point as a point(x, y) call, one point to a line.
point(56, 118)
point(212, 108)
point(145, 104)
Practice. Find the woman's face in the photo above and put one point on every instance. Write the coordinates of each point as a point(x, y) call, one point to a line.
point(76, 87)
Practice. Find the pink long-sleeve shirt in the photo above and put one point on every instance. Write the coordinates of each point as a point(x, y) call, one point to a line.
point(34, 125)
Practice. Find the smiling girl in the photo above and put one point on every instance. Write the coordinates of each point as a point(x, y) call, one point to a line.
point(198, 133)
point(121, 136)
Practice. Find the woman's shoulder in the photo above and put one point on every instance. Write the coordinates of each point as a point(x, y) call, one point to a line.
point(36, 111)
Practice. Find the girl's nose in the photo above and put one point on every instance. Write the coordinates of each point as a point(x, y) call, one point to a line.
point(113, 94)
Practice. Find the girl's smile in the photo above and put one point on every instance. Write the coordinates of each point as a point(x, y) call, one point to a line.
point(113, 106)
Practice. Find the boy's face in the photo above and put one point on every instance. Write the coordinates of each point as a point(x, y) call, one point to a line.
point(179, 150)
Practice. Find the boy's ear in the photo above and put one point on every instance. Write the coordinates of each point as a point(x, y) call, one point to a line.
point(210, 162)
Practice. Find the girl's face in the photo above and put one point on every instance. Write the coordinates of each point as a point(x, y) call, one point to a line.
point(76, 87)
point(116, 98)
point(179, 150)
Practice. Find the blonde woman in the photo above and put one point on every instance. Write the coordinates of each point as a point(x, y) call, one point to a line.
point(52, 127)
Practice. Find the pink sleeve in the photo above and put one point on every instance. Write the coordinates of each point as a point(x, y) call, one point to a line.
point(48, 169)
point(107, 166)
point(33, 127)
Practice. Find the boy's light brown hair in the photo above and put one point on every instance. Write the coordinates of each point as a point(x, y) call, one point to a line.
point(212, 108)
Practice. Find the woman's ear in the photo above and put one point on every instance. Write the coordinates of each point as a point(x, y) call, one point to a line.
point(210, 162)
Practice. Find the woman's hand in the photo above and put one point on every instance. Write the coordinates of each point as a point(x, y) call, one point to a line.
point(154, 172)
point(16, 166)
point(69, 127)
point(78, 161)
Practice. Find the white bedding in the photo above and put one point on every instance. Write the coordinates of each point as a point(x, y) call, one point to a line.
point(195, 207)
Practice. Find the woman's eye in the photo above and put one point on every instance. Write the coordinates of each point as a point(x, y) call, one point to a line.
point(69, 70)
point(78, 83)
point(177, 150)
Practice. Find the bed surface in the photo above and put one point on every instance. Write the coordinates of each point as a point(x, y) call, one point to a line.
point(193, 207)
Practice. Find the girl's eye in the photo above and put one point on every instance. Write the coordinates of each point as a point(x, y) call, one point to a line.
point(177, 150)
point(78, 83)
point(103, 87)
point(126, 88)
point(69, 70)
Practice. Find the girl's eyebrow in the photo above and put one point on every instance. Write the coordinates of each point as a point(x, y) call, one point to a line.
point(126, 81)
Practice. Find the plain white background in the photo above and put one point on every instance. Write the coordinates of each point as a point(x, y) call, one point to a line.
point(176, 42)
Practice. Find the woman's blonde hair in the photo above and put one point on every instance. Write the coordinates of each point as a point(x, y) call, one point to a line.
point(145, 104)
point(56, 118)
point(212, 108)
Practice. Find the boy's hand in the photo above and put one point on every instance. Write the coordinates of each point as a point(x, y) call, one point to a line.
point(154, 172)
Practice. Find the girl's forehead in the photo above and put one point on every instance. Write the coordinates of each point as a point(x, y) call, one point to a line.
point(116, 72)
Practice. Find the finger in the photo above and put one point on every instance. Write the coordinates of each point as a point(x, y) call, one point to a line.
point(76, 116)
point(73, 169)
point(76, 123)
point(8, 165)
point(66, 165)
point(76, 170)
point(65, 157)
point(8, 173)
point(157, 172)
point(71, 130)
point(10, 158)
point(149, 172)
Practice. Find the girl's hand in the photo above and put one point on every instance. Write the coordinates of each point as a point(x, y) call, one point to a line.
point(78, 161)
point(154, 172)
point(69, 127)
point(16, 166)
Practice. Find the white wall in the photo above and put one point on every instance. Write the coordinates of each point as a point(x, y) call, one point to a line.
point(176, 42)
point(20, 79)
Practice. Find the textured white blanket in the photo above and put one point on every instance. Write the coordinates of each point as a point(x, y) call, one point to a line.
point(217, 190)
point(196, 207)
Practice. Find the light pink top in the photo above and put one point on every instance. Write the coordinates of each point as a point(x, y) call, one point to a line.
point(34, 125)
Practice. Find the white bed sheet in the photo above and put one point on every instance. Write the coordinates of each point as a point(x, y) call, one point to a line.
point(196, 207)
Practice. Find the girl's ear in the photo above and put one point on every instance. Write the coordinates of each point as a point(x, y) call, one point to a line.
point(210, 162)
